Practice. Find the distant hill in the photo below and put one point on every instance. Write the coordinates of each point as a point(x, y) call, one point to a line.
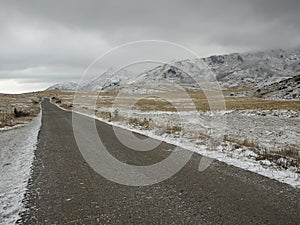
point(246, 70)
point(64, 86)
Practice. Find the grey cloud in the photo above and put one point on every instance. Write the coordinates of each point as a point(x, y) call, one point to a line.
point(175, 20)
point(60, 35)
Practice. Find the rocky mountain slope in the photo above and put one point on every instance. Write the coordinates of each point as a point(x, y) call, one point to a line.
point(255, 69)
point(246, 70)
point(285, 89)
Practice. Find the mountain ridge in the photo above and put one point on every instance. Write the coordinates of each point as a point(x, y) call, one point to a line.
point(250, 70)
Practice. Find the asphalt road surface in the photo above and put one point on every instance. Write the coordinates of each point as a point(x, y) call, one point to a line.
point(64, 189)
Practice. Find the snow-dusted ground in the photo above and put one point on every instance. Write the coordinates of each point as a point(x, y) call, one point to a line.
point(269, 131)
point(6, 128)
point(17, 147)
point(251, 125)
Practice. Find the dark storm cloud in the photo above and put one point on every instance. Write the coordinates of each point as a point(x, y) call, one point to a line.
point(223, 22)
point(63, 37)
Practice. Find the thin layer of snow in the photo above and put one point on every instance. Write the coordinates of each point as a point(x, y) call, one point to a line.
point(11, 127)
point(64, 86)
point(17, 152)
point(227, 152)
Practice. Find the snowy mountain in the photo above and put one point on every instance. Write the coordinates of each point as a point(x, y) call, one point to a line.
point(63, 86)
point(246, 70)
point(107, 80)
point(285, 89)
point(255, 69)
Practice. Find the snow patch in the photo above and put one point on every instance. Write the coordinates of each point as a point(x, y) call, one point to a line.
point(17, 153)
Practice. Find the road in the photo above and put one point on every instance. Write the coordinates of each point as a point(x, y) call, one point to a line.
point(63, 189)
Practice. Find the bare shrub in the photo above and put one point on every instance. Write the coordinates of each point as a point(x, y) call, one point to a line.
point(145, 123)
point(173, 129)
point(104, 115)
point(20, 113)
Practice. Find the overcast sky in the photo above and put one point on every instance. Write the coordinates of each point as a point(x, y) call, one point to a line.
point(46, 42)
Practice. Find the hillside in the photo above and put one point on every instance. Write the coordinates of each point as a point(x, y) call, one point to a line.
point(63, 86)
point(285, 89)
point(233, 71)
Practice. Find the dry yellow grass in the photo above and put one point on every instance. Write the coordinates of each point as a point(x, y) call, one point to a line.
point(159, 102)
point(25, 105)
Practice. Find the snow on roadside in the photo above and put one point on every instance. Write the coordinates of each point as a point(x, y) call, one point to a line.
point(230, 153)
point(16, 155)
point(226, 152)
point(11, 128)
